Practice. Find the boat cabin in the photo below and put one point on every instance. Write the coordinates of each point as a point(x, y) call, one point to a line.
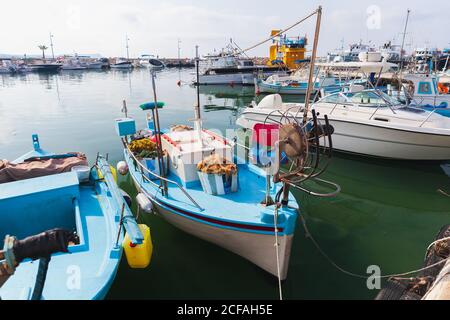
point(187, 148)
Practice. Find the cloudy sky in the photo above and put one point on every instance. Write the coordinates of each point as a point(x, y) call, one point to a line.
point(99, 26)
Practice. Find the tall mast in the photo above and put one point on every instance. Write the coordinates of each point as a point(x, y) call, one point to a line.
point(51, 46)
point(401, 55)
point(197, 120)
point(403, 40)
point(126, 41)
point(312, 63)
point(179, 51)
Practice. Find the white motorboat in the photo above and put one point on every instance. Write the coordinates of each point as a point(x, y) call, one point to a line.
point(367, 122)
point(122, 64)
point(93, 65)
point(228, 68)
point(6, 66)
point(149, 61)
point(73, 63)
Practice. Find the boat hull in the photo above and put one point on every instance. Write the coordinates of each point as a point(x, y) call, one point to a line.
point(376, 141)
point(256, 247)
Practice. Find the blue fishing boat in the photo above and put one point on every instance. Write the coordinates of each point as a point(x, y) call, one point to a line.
point(59, 192)
point(197, 181)
point(297, 84)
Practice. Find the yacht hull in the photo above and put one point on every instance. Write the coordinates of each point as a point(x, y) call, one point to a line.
point(376, 141)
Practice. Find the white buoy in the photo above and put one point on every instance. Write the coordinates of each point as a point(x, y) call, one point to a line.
point(144, 203)
point(122, 167)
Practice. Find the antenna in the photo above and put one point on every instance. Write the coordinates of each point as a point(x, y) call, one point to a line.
point(51, 45)
point(128, 52)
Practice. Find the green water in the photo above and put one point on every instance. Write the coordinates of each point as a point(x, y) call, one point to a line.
point(387, 213)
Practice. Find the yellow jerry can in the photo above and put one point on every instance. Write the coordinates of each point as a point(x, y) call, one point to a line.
point(113, 172)
point(139, 256)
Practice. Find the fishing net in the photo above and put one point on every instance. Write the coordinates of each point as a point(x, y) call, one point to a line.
point(144, 148)
point(180, 128)
point(215, 164)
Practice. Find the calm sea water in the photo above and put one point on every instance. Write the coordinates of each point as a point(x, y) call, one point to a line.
point(387, 214)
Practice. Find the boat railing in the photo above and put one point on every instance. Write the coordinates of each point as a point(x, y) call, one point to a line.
point(126, 216)
point(428, 117)
point(144, 170)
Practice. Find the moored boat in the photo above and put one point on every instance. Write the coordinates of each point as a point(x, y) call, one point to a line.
point(48, 193)
point(368, 122)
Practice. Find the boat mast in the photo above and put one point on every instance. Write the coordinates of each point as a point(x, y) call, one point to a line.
point(401, 54)
point(179, 51)
point(128, 52)
point(312, 64)
point(51, 46)
point(198, 120)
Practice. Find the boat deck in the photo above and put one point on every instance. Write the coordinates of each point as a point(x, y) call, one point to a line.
point(87, 272)
point(242, 206)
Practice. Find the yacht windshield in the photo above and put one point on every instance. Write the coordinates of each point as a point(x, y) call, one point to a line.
point(367, 98)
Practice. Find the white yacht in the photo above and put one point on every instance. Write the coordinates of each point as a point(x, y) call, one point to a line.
point(228, 68)
point(73, 63)
point(367, 122)
point(6, 66)
point(122, 64)
point(149, 61)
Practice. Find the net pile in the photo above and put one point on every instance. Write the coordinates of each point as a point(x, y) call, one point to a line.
point(215, 164)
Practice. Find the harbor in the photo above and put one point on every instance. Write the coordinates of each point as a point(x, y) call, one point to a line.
point(197, 204)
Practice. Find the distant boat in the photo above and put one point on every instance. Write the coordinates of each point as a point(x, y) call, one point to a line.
point(149, 61)
point(94, 65)
point(227, 68)
point(66, 194)
point(73, 64)
point(122, 64)
point(45, 67)
point(6, 66)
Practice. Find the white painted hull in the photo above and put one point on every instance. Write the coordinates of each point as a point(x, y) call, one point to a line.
point(94, 66)
point(221, 79)
point(376, 141)
point(233, 78)
point(257, 248)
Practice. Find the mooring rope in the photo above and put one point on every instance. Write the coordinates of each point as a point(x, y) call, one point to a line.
point(275, 219)
point(308, 234)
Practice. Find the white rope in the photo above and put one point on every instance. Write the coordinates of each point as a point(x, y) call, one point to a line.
point(436, 242)
point(275, 35)
point(308, 234)
point(275, 218)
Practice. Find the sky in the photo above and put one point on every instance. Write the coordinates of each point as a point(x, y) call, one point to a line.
point(154, 27)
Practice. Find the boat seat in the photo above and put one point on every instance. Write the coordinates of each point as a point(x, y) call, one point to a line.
point(34, 205)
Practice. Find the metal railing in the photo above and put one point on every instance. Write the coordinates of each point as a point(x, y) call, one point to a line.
point(144, 170)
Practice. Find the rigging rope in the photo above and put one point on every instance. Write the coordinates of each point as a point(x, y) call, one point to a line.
point(308, 234)
point(275, 35)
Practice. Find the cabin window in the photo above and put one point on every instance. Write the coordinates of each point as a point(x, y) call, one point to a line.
point(424, 88)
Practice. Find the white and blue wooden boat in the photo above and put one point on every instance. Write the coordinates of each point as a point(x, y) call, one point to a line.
point(236, 221)
point(297, 85)
point(95, 209)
